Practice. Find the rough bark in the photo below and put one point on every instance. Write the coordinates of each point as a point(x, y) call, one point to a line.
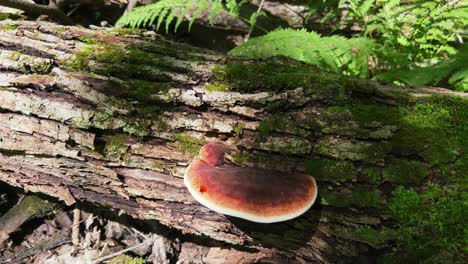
point(114, 117)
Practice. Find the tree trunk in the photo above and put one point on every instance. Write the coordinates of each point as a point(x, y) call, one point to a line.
point(113, 117)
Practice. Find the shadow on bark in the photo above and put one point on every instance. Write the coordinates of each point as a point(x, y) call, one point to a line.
point(292, 234)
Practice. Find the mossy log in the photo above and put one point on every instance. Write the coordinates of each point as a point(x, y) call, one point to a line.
point(113, 117)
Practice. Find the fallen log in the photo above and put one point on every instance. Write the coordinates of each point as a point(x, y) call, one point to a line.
point(113, 118)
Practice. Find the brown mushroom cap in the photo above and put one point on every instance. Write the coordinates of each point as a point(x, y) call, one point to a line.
point(255, 194)
point(213, 153)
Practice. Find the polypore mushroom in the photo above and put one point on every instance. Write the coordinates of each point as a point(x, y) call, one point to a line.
point(255, 194)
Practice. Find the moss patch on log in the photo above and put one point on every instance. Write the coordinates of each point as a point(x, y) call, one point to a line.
point(278, 74)
point(125, 62)
point(188, 144)
point(405, 172)
point(116, 146)
point(370, 152)
point(435, 128)
point(431, 225)
point(358, 197)
point(330, 170)
point(373, 237)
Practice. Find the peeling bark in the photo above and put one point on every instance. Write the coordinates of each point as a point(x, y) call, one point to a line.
point(81, 116)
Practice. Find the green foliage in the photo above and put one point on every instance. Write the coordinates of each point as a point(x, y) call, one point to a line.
point(168, 11)
point(335, 53)
point(414, 35)
point(431, 225)
point(453, 70)
point(405, 42)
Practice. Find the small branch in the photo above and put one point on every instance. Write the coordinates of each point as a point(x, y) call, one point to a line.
point(130, 6)
point(252, 26)
point(118, 253)
point(76, 227)
point(30, 207)
point(36, 10)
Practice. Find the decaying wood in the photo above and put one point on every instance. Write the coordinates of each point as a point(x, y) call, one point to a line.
point(79, 133)
point(36, 10)
point(27, 208)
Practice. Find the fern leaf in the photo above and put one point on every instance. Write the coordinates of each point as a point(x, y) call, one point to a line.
point(162, 16)
point(165, 11)
point(334, 53)
point(365, 6)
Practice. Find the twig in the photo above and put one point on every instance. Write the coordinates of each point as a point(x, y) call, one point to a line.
point(56, 241)
point(76, 227)
point(251, 26)
point(31, 8)
point(118, 253)
point(131, 4)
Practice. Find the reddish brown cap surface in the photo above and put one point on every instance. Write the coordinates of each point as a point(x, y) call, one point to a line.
point(213, 153)
point(258, 195)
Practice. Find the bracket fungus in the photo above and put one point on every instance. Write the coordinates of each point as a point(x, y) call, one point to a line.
point(254, 194)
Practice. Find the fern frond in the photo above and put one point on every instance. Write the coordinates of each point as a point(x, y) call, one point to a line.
point(166, 11)
point(334, 53)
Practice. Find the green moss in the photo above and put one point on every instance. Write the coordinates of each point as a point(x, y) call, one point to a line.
point(276, 74)
point(8, 27)
point(122, 61)
point(330, 170)
point(87, 40)
point(126, 31)
point(435, 128)
point(358, 197)
point(44, 66)
point(431, 225)
point(159, 165)
point(188, 144)
point(127, 160)
point(373, 175)
point(217, 87)
point(102, 120)
point(241, 158)
point(125, 259)
point(114, 105)
point(237, 128)
point(373, 237)
point(138, 127)
point(376, 152)
point(281, 122)
point(406, 172)
point(294, 146)
point(144, 90)
point(366, 114)
point(116, 146)
point(264, 128)
point(14, 56)
point(261, 76)
point(273, 123)
point(29, 207)
point(368, 152)
point(424, 115)
point(458, 172)
point(5, 16)
point(81, 122)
